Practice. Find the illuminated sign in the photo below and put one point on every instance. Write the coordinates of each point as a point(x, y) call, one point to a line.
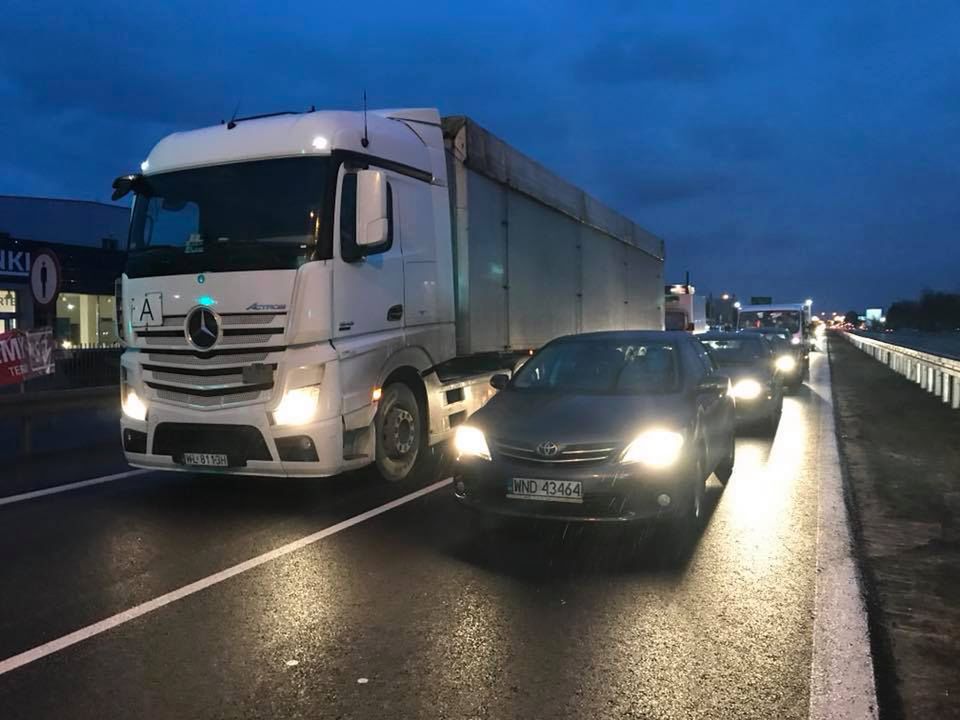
point(8, 301)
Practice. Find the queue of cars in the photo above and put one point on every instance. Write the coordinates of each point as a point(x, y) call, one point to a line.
point(620, 426)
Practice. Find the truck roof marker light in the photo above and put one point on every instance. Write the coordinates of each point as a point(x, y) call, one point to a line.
point(320, 143)
point(206, 301)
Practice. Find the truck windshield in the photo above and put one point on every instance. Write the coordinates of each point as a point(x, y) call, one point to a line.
point(264, 215)
point(789, 320)
point(614, 367)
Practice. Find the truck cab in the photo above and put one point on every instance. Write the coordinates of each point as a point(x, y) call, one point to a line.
point(288, 286)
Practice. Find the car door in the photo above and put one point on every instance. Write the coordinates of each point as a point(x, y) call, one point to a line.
point(712, 404)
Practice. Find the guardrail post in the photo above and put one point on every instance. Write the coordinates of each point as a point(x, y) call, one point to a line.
point(937, 382)
point(955, 395)
point(945, 390)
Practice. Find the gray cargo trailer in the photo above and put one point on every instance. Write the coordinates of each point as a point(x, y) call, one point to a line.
point(536, 257)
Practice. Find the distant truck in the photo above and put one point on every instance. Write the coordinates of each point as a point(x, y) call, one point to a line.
point(309, 293)
point(793, 319)
point(684, 309)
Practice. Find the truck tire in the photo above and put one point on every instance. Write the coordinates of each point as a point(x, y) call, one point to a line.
point(401, 440)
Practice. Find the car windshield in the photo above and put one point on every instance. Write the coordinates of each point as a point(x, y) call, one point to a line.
point(265, 215)
point(789, 320)
point(601, 367)
point(728, 351)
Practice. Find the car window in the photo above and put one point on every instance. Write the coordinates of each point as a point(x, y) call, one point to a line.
point(598, 366)
point(709, 366)
point(736, 350)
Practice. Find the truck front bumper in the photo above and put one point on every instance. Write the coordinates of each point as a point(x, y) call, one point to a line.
point(252, 445)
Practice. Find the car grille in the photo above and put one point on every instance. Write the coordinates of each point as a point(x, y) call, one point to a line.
point(581, 453)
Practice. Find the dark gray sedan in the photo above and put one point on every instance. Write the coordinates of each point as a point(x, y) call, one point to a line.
point(612, 426)
point(751, 363)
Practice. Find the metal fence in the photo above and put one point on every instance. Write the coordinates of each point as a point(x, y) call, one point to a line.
point(936, 374)
point(92, 367)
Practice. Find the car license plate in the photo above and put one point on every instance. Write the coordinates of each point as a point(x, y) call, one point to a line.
point(551, 490)
point(205, 459)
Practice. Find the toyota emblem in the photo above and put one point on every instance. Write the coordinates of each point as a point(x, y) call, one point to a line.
point(202, 328)
point(548, 449)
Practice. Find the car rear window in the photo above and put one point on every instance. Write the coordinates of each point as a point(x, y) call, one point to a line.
point(735, 350)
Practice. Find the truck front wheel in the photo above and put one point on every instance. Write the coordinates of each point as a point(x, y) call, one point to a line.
point(400, 435)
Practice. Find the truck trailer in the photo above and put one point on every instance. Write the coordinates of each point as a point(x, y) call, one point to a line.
point(308, 293)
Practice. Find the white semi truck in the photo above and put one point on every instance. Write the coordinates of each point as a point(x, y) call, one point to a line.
point(307, 293)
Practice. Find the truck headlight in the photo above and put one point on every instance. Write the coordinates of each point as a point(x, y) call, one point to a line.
point(786, 363)
point(470, 442)
point(133, 406)
point(747, 389)
point(655, 448)
point(298, 407)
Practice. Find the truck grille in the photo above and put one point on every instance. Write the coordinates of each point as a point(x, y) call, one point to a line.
point(239, 329)
point(240, 369)
point(574, 453)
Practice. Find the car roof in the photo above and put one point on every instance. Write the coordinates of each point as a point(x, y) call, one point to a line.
point(633, 335)
point(721, 336)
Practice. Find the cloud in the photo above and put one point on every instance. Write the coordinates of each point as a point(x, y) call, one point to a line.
point(626, 59)
point(644, 188)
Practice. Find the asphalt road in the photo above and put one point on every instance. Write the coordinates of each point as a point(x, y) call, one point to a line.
point(414, 612)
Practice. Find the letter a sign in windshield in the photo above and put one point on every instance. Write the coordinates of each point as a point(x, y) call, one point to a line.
point(146, 310)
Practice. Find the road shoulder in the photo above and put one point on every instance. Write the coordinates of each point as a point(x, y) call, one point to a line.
point(902, 469)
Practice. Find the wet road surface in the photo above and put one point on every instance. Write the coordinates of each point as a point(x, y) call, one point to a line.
point(415, 612)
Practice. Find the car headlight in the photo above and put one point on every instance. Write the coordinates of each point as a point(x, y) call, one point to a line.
point(470, 442)
point(133, 406)
point(298, 407)
point(655, 448)
point(794, 341)
point(747, 389)
point(786, 363)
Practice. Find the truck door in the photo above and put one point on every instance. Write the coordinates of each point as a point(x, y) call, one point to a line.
point(367, 282)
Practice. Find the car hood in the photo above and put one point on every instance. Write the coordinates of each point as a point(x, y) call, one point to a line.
point(530, 418)
point(739, 371)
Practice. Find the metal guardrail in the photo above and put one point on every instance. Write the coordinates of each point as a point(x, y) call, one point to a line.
point(936, 374)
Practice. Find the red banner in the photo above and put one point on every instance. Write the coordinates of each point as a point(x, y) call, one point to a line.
point(25, 355)
point(13, 357)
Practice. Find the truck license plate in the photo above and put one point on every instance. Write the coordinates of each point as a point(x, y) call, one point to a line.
point(551, 490)
point(205, 459)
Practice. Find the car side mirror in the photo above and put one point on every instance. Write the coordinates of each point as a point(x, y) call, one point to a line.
point(499, 381)
point(373, 216)
point(713, 384)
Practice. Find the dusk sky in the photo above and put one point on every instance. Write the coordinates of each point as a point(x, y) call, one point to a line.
point(786, 149)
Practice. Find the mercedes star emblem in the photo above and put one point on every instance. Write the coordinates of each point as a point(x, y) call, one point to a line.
point(202, 328)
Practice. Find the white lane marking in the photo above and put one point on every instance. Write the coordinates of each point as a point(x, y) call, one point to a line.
point(10, 499)
point(53, 646)
point(841, 673)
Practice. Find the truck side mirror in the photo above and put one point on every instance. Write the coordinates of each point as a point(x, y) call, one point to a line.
point(374, 216)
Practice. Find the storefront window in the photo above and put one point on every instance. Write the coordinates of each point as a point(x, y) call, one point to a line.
point(8, 309)
point(85, 320)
